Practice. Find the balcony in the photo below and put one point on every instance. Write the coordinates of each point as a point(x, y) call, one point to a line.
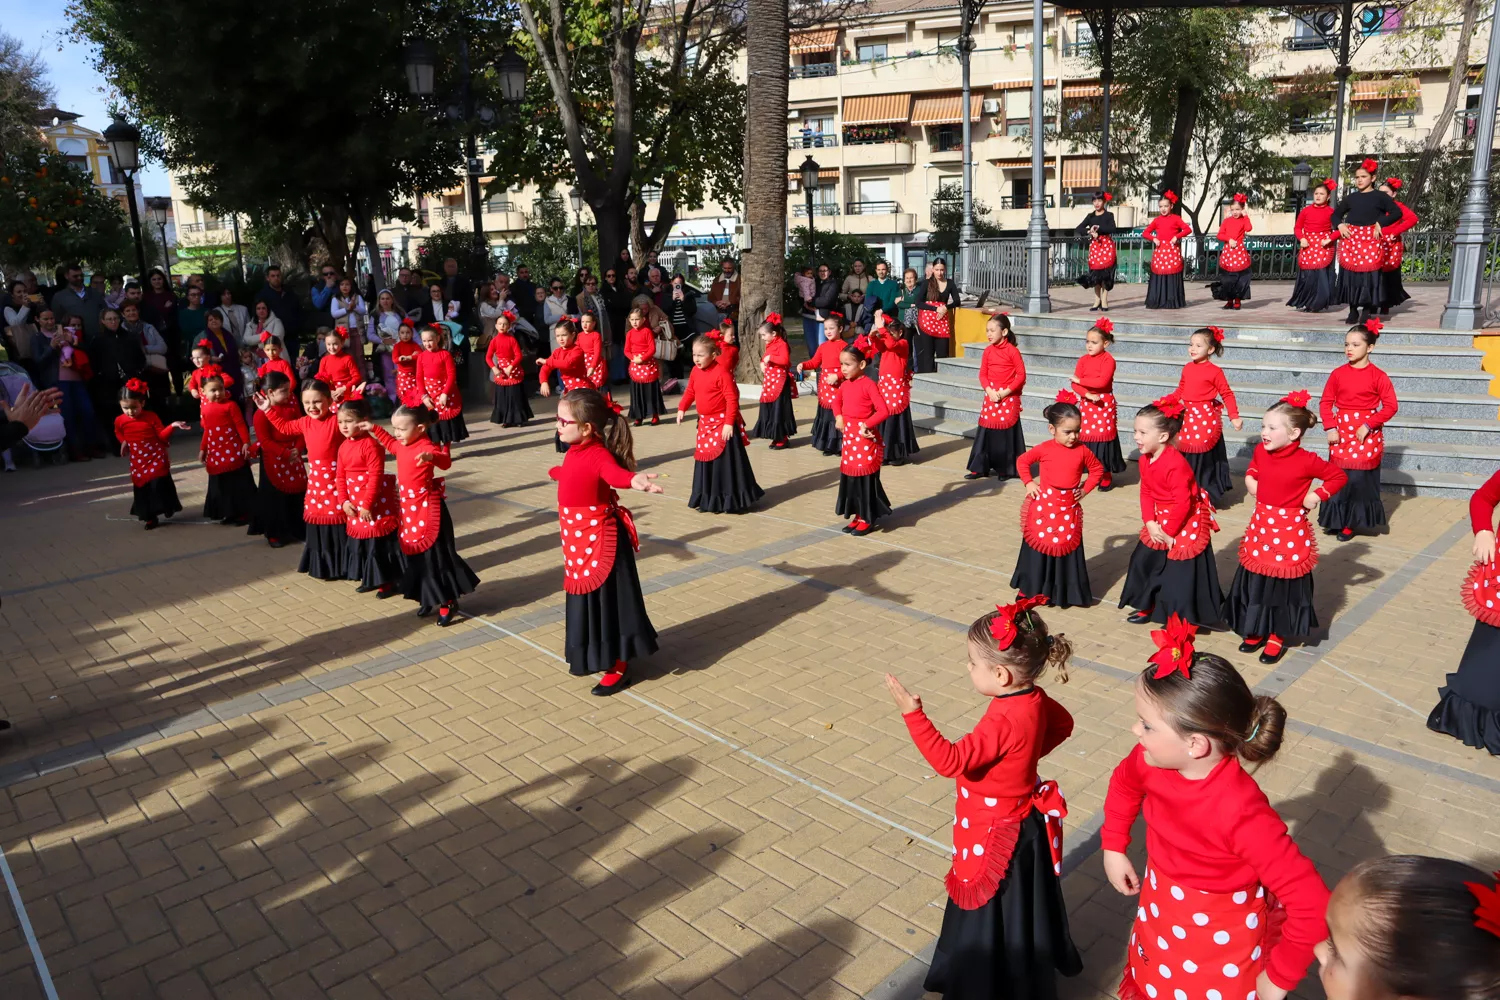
point(1312, 124)
point(877, 153)
point(812, 70)
point(800, 211)
point(504, 217)
point(1465, 124)
point(1079, 50)
point(814, 140)
point(872, 207)
point(1010, 203)
point(1303, 43)
point(1390, 119)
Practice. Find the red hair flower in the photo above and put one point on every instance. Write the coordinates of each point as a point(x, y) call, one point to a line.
point(1368, 165)
point(1330, 183)
point(1105, 325)
point(1240, 199)
point(408, 321)
point(1297, 397)
point(611, 405)
point(835, 312)
point(342, 331)
point(1003, 628)
point(1066, 396)
point(1217, 332)
point(1394, 183)
point(862, 344)
point(265, 336)
point(1487, 913)
point(713, 335)
point(773, 318)
point(1174, 648)
point(728, 323)
point(1170, 405)
point(508, 315)
point(1108, 197)
point(1170, 196)
point(137, 385)
point(1373, 326)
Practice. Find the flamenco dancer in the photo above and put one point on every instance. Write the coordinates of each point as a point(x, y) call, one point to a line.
point(324, 545)
point(1094, 385)
point(723, 482)
point(1051, 562)
point(283, 480)
point(1392, 291)
point(607, 625)
point(143, 438)
point(571, 365)
point(859, 410)
point(1360, 218)
point(508, 372)
point(776, 422)
point(1166, 233)
point(645, 374)
point(1204, 389)
point(889, 338)
point(225, 454)
point(1365, 401)
point(1172, 570)
point(372, 555)
point(1314, 290)
point(1271, 599)
point(825, 436)
point(999, 440)
point(1468, 707)
point(437, 381)
point(1097, 227)
point(1233, 286)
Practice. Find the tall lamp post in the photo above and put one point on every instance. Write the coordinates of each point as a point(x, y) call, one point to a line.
point(1301, 175)
point(125, 149)
point(160, 208)
point(1464, 311)
point(810, 171)
point(576, 197)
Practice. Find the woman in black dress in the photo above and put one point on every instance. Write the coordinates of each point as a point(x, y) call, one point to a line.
point(934, 335)
point(1097, 228)
point(1359, 219)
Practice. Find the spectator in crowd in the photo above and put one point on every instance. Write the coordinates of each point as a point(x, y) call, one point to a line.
point(349, 309)
point(881, 293)
point(556, 305)
point(236, 317)
point(265, 321)
point(657, 287)
point(457, 288)
point(857, 279)
point(908, 299)
point(386, 325)
point(159, 306)
point(682, 310)
point(284, 305)
point(579, 277)
point(491, 304)
point(77, 299)
point(523, 291)
point(724, 293)
point(97, 284)
point(20, 317)
point(623, 263)
point(408, 298)
point(59, 355)
point(116, 294)
point(590, 300)
point(321, 294)
point(858, 312)
point(825, 299)
point(115, 355)
point(153, 346)
point(17, 420)
point(192, 317)
point(438, 308)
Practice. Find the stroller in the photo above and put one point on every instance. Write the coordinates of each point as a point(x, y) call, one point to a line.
point(48, 434)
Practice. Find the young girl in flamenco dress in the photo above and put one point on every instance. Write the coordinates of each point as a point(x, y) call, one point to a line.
point(508, 372)
point(776, 423)
point(859, 411)
point(723, 481)
point(1357, 402)
point(999, 441)
point(1094, 385)
point(1206, 394)
point(825, 437)
point(1051, 562)
point(143, 439)
point(889, 339)
point(1164, 288)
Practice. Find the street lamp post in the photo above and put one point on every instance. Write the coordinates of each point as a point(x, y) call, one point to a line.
point(1038, 236)
point(125, 149)
point(576, 197)
point(810, 171)
point(1464, 310)
point(969, 13)
point(1301, 175)
point(160, 208)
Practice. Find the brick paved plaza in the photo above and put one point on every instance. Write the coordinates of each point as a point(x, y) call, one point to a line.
point(227, 780)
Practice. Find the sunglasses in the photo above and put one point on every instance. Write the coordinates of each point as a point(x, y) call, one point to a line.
point(557, 288)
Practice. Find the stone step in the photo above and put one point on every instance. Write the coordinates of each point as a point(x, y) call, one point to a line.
point(1332, 333)
point(1315, 360)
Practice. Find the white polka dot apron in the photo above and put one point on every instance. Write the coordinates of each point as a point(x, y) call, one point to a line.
point(1314, 257)
point(1481, 593)
point(772, 383)
point(1361, 250)
point(148, 461)
point(406, 383)
point(1195, 533)
point(930, 323)
point(589, 536)
point(386, 511)
point(1186, 943)
point(1100, 420)
point(644, 371)
point(1052, 521)
point(421, 515)
point(859, 455)
point(1234, 259)
point(1279, 542)
point(896, 391)
point(710, 441)
point(595, 372)
point(1101, 253)
point(1395, 252)
point(571, 382)
point(828, 387)
point(223, 451)
point(1166, 259)
point(508, 376)
point(433, 388)
point(1351, 452)
point(985, 831)
point(998, 416)
point(320, 504)
point(1202, 427)
point(283, 467)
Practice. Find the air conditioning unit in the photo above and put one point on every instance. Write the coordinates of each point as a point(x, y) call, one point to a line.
point(992, 105)
point(794, 113)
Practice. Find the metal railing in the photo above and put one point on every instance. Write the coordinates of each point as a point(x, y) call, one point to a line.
point(872, 140)
point(496, 207)
point(871, 208)
point(821, 140)
point(812, 70)
point(1465, 124)
point(1311, 124)
point(190, 227)
point(1391, 119)
point(1010, 202)
point(800, 211)
point(1303, 43)
point(446, 212)
point(1080, 50)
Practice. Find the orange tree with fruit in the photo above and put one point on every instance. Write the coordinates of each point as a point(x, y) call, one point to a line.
point(51, 213)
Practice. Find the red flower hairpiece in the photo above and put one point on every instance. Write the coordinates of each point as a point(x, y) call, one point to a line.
point(1108, 197)
point(1330, 183)
point(1394, 183)
point(342, 331)
point(862, 344)
point(1487, 913)
point(1170, 195)
point(1066, 396)
point(713, 335)
point(773, 318)
point(408, 321)
point(265, 337)
point(1368, 165)
point(611, 405)
point(137, 385)
point(1174, 648)
point(1373, 326)
point(1105, 325)
point(728, 323)
point(1218, 333)
point(1297, 397)
point(508, 315)
point(1170, 405)
point(1240, 199)
point(835, 312)
point(1003, 629)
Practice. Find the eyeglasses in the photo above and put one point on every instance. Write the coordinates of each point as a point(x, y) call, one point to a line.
point(557, 288)
point(328, 274)
point(563, 422)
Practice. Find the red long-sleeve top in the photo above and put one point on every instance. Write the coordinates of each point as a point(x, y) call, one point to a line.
point(778, 354)
point(826, 357)
point(267, 432)
point(1094, 373)
point(1203, 382)
point(589, 475)
point(1284, 476)
point(1062, 468)
point(566, 361)
point(361, 463)
point(139, 430)
point(411, 474)
point(998, 759)
point(1233, 227)
point(198, 375)
point(322, 437)
point(279, 365)
point(1166, 228)
point(1351, 388)
point(1221, 835)
point(1001, 367)
point(1481, 504)
point(592, 345)
point(729, 357)
point(895, 354)
point(1167, 479)
point(859, 401)
point(1315, 224)
point(225, 414)
point(640, 342)
point(339, 371)
point(404, 353)
point(715, 392)
point(1408, 219)
point(503, 353)
point(437, 365)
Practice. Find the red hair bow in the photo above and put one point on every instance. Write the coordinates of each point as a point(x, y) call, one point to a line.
point(1297, 397)
point(1240, 199)
point(611, 405)
point(137, 385)
point(342, 331)
point(1330, 183)
point(1066, 396)
point(265, 337)
point(1394, 183)
point(862, 344)
point(409, 322)
point(1105, 324)
point(1170, 195)
point(508, 316)
point(728, 323)
point(1174, 648)
point(713, 335)
point(835, 312)
point(1170, 405)
point(773, 318)
point(1217, 332)
point(1368, 165)
point(1003, 629)
point(1374, 326)
point(1487, 913)
point(1107, 197)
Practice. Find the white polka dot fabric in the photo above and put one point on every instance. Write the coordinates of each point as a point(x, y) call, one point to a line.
point(1166, 259)
point(1351, 452)
point(1100, 420)
point(589, 535)
point(1101, 253)
point(859, 455)
point(148, 461)
point(772, 384)
point(1194, 944)
point(1234, 259)
point(985, 831)
point(896, 391)
point(1361, 250)
point(421, 515)
point(1202, 427)
point(1196, 532)
point(320, 504)
point(998, 416)
point(1279, 542)
point(1313, 257)
point(1395, 252)
point(1481, 594)
point(1052, 522)
point(386, 511)
point(223, 451)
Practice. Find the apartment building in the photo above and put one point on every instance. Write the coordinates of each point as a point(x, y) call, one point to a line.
point(86, 148)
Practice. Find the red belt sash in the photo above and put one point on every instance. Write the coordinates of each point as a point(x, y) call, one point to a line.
point(320, 502)
point(223, 451)
point(1101, 253)
point(386, 511)
point(283, 466)
point(421, 516)
point(1202, 427)
point(859, 455)
point(1234, 259)
point(1052, 521)
point(1100, 420)
point(1481, 593)
point(1166, 259)
point(148, 461)
point(1361, 250)
point(998, 416)
point(1351, 452)
point(985, 831)
point(644, 371)
point(589, 536)
point(1279, 542)
point(433, 388)
point(1193, 537)
point(1314, 257)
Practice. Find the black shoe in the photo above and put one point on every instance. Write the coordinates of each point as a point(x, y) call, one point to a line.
point(385, 592)
point(275, 543)
point(447, 615)
point(1139, 618)
point(153, 523)
point(425, 611)
point(973, 475)
point(365, 589)
point(1252, 643)
point(1268, 658)
point(603, 690)
point(1346, 535)
point(1353, 316)
point(848, 528)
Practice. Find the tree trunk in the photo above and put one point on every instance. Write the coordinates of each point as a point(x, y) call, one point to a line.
point(1458, 78)
point(1182, 138)
point(666, 217)
point(763, 265)
point(332, 222)
point(364, 233)
point(613, 223)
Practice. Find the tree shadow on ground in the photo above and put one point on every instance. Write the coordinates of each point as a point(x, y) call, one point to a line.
point(1331, 823)
point(1110, 566)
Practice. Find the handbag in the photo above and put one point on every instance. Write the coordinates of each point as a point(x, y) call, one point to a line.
point(930, 323)
point(667, 346)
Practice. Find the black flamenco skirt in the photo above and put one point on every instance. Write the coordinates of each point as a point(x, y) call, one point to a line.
point(1360, 289)
point(1186, 587)
point(826, 437)
point(900, 438)
point(1357, 505)
point(862, 497)
point(1314, 290)
point(512, 408)
point(1392, 290)
point(1261, 605)
point(156, 499)
point(1102, 278)
point(1015, 945)
point(727, 484)
point(1231, 285)
point(1468, 706)
point(1211, 469)
point(438, 575)
point(995, 451)
point(777, 421)
point(449, 431)
point(277, 515)
point(1165, 291)
point(1064, 579)
point(323, 551)
point(646, 401)
point(374, 562)
point(230, 496)
point(609, 623)
point(1108, 453)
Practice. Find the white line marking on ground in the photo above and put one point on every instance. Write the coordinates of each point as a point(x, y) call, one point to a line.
point(25, 921)
point(1372, 687)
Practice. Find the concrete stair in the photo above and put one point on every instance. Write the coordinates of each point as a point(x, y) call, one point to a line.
point(1444, 441)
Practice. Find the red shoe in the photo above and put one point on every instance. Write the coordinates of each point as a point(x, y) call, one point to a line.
point(655, 421)
point(614, 680)
point(862, 527)
point(1107, 482)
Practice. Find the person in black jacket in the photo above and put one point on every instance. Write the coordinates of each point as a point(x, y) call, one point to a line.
point(285, 306)
point(1097, 228)
point(1358, 219)
point(939, 302)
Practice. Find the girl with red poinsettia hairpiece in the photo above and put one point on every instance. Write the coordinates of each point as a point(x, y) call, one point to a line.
point(143, 438)
point(999, 440)
point(1360, 219)
point(1233, 284)
point(1366, 401)
point(1051, 562)
point(1172, 571)
point(1314, 290)
point(858, 413)
point(776, 422)
point(508, 372)
point(825, 361)
point(1206, 396)
point(1097, 227)
point(890, 338)
point(1094, 385)
point(1164, 289)
point(723, 481)
point(1228, 904)
point(1005, 930)
point(1392, 291)
point(1271, 599)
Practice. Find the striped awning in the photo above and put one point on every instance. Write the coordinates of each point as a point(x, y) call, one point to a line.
point(1080, 172)
point(878, 109)
point(795, 177)
point(1395, 89)
point(816, 40)
point(1287, 87)
point(1020, 164)
point(945, 109)
point(1021, 84)
point(1092, 88)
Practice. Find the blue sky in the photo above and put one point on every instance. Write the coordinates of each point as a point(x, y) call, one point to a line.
point(41, 24)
